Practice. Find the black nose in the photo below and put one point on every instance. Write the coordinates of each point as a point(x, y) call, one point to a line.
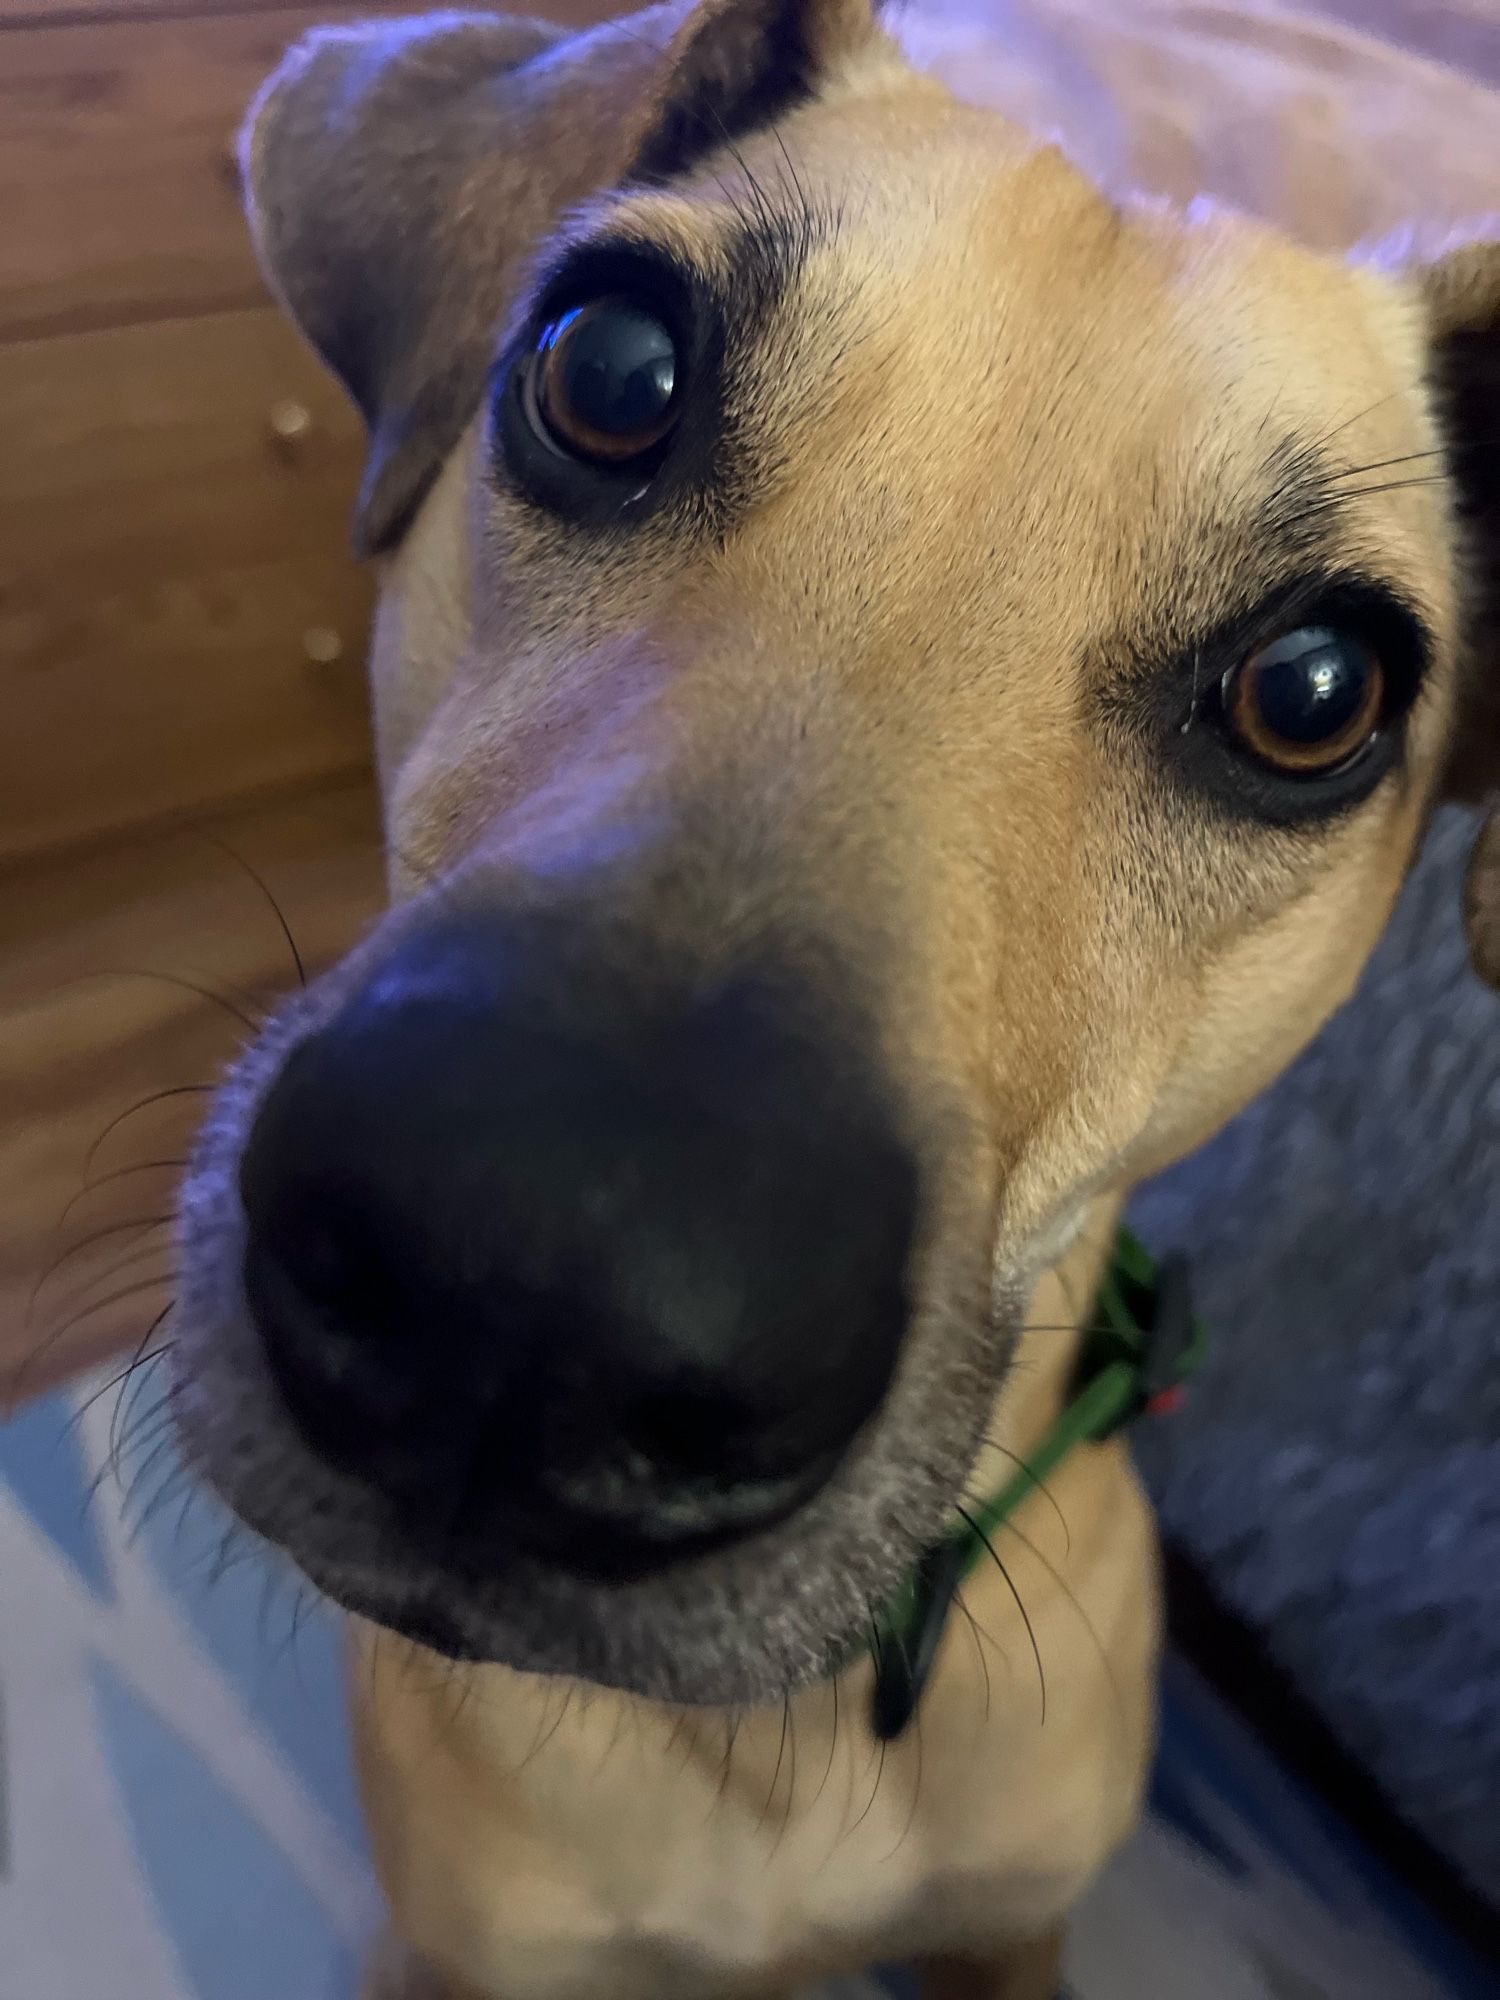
point(596, 1265)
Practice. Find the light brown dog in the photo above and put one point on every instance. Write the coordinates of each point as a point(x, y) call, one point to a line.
point(906, 690)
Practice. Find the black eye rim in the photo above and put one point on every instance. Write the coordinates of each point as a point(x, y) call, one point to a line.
point(1191, 700)
point(590, 493)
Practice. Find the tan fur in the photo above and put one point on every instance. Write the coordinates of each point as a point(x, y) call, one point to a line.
point(546, 1838)
point(1016, 440)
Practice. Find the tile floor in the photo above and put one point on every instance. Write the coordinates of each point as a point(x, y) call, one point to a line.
point(177, 1820)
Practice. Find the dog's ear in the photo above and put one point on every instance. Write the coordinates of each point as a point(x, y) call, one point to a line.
point(1461, 297)
point(397, 171)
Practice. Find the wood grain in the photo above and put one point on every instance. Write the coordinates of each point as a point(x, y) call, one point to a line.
point(86, 13)
point(115, 170)
point(116, 183)
point(163, 559)
point(93, 1021)
point(89, 13)
point(166, 564)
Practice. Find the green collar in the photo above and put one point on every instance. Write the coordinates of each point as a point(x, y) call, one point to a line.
point(1136, 1357)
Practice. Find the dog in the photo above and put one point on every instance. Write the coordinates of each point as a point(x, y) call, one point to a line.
point(905, 690)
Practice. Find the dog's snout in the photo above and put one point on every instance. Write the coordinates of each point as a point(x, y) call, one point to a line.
point(613, 1266)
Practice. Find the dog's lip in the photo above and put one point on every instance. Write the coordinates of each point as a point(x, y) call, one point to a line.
point(418, 1616)
point(734, 1627)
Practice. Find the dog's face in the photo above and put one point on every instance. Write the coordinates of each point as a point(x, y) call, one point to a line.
point(906, 693)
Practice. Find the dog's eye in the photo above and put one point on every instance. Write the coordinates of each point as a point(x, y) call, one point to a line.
point(604, 382)
point(1307, 703)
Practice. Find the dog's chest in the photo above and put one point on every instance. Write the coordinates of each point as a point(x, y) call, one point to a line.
point(610, 1847)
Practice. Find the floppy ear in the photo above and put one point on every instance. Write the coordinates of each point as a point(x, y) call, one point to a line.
point(397, 172)
point(1462, 292)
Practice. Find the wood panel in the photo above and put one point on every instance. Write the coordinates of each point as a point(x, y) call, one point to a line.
point(115, 168)
point(165, 564)
point(167, 559)
point(116, 181)
point(73, 13)
point(93, 1022)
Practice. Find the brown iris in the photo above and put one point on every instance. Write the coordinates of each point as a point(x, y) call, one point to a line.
point(1308, 702)
point(606, 381)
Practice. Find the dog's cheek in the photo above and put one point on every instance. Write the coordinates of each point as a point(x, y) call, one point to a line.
point(1265, 997)
point(424, 616)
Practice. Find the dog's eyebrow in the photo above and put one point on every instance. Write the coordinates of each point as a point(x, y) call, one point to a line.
point(753, 266)
point(1228, 548)
point(1299, 517)
point(1226, 564)
point(765, 252)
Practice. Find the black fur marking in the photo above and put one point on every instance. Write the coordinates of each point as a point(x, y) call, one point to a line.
point(734, 88)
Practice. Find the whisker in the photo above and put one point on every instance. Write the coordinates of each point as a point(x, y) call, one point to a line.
point(1078, 1326)
point(1020, 1606)
point(1039, 1485)
point(789, 1713)
point(138, 1224)
point(978, 1638)
point(179, 1526)
point(116, 1174)
point(1072, 1596)
point(833, 1742)
point(543, 1740)
point(156, 1097)
point(1393, 486)
point(215, 840)
point(1383, 464)
point(147, 1428)
point(113, 1298)
point(140, 1359)
point(916, 1787)
point(303, 1604)
point(124, 1413)
point(880, 1768)
point(128, 1262)
point(1348, 423)
point(270, 1582)
point(165, 1492)
point(178, 979)
point(786, 1717)
point(1441, 451)
point(112, 1468)
point(22, 1373)
point(132, 1418)
point(802, 201)
point(731, 1736)
point(219, 1562)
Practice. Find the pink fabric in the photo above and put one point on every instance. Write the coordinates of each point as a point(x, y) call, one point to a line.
point(1339, 122)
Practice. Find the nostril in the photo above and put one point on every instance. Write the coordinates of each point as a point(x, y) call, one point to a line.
point(682, 1433)
point(342, 1381)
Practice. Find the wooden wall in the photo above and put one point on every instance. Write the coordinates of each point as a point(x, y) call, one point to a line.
point(181, 641)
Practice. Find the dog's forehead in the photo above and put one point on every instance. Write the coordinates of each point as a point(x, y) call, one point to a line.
point(911, 220)
point(964, 324)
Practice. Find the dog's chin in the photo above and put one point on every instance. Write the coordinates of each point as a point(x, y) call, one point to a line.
point(735, 1627)
point(740, 1626)
point(446, 1618)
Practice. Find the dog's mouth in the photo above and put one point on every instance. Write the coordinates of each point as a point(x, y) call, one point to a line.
point(634, 1364)
point(733, 1619)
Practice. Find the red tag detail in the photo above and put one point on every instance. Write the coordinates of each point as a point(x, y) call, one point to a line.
point(1167, 1402)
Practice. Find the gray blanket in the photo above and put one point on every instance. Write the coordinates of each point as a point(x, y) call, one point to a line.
point(1337, 1470)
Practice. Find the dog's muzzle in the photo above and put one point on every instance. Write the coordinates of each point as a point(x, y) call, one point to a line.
point(609, 1267)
